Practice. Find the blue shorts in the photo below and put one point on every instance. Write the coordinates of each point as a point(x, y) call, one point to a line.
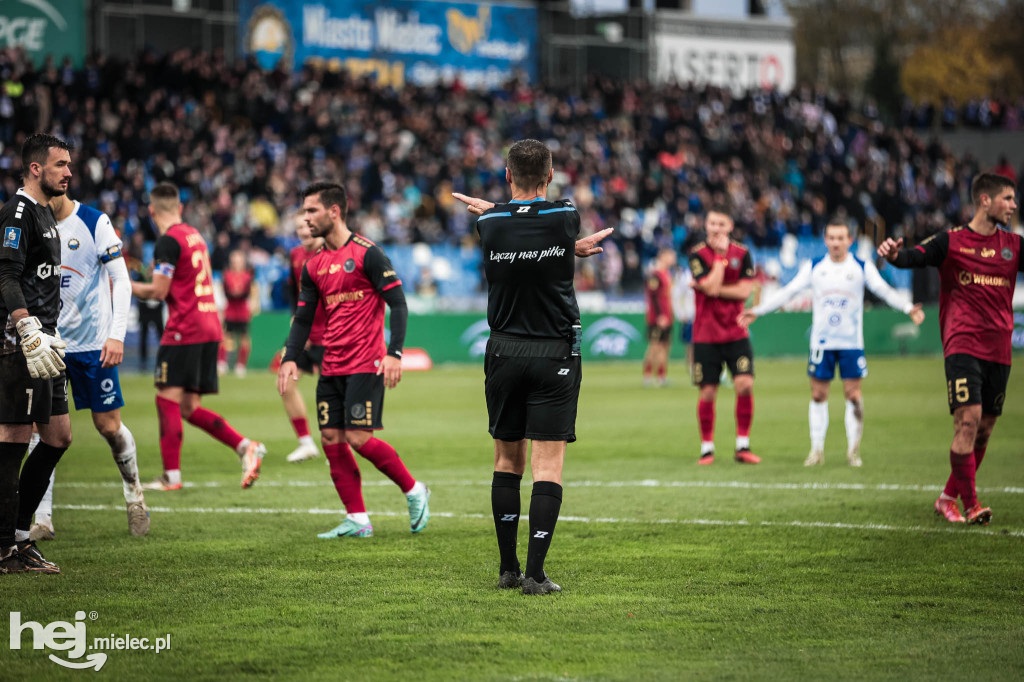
point(822, 364)
point(95, 387)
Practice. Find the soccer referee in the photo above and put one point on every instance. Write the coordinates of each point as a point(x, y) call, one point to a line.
point(532, 365)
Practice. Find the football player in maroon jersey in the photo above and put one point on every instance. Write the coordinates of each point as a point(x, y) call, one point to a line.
point(978, 265)
point(722, 278)
point(658, 296)
point(186, 364)
point(308, 361)
point(352, 279)
point(239, 285)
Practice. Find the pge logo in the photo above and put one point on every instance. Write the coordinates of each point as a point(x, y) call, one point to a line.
point(475, 337)
point(610, 336)
point(59, 636)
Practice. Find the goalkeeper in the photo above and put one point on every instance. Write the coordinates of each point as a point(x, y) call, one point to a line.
point(31, 367)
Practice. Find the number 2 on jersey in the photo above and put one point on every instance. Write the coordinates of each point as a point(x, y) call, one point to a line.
point(204, 278)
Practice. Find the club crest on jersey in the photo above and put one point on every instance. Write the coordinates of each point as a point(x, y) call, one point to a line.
point(1007, 254)
point(734, 262)
point(350, 265)
point(73, 244)
point(12, 237)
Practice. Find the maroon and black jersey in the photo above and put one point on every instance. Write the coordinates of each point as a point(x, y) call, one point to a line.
point(237, 290)
point(349, 284)
point(181, 254)
point(298, 258)
point(658, 295)
point(715, 317)
point(977, 277)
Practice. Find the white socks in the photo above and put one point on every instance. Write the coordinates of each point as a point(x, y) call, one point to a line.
point(45, 507)
point(817, 416)
point(742, 442)
point(706, 447)
point(173, 476)
point(417, 489)
point(307, 441)
point(127, 464)
point(362, 519)
point(854, 425)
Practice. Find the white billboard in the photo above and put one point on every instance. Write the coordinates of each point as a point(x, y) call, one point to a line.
point(740, 55)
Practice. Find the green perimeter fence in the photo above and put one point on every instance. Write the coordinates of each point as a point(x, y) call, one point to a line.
point(461, 337)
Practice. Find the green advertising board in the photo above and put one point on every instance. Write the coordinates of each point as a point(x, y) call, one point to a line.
point(463, 337)
point(44, 27)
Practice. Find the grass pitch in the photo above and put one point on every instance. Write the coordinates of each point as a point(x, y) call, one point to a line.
point(671, 571)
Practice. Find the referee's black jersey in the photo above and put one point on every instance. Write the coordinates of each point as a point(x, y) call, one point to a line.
point(30, 244)
point(529, 251)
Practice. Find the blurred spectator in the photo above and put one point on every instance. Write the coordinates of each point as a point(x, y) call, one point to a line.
point(242, 142)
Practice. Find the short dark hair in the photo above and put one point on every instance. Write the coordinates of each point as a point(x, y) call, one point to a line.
point(720, 209)
point(839, 221)
point(990, 184)
point(529, 162)
point(164, 197)
point(331, 194)
point(37, 148)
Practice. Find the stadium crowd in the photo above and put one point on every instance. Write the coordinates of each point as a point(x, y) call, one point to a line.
point(646, 159)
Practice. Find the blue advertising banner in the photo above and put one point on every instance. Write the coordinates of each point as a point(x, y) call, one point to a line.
point(396, 41)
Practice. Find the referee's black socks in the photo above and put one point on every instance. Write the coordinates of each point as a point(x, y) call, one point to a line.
point(10, 465)
point(544, 506)
point(505, 507)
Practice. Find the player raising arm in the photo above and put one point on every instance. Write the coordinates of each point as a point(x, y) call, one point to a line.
point(837, 332)
point(186, 364)
point(978, 265)
point(352, 278)
point(533, 366)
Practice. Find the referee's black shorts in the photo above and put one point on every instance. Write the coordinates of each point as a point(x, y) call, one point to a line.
point(532, 388)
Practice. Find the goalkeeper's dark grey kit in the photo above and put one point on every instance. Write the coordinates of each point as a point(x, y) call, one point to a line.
point(30, 273)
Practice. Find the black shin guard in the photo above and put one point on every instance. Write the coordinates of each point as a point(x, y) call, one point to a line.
point(35, 477)
point(10, 465)
point(505, 507)
point(544, 506)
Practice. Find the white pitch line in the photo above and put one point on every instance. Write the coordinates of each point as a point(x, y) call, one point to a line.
point(571, 519)
point(646, 483)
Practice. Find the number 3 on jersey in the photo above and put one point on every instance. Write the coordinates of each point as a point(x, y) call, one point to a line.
point(204, 276)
